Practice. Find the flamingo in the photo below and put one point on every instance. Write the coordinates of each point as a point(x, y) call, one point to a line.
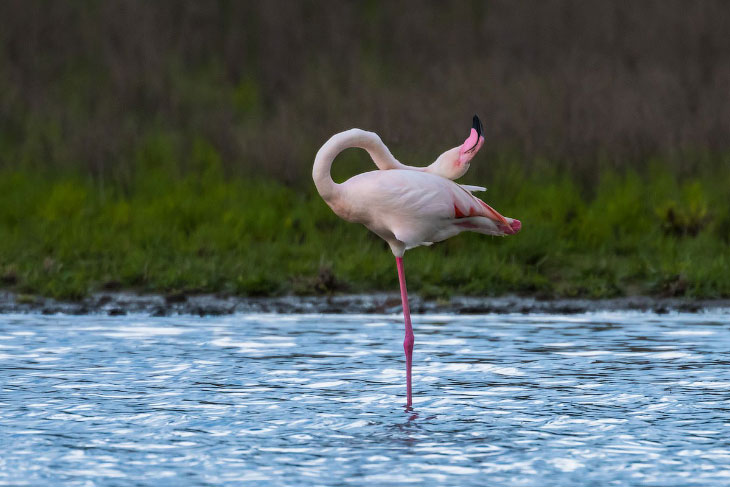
point(409, 206)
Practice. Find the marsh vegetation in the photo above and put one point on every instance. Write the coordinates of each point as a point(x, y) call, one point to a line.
point(167, 146)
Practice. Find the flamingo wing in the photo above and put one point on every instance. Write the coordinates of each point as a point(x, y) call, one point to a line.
point(473, 189)
point(467, 205)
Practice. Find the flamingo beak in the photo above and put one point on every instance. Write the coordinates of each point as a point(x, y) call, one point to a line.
point(473, 143)
point(476, 124)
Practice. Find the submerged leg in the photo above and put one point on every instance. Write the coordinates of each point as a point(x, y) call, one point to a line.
point(408, 341)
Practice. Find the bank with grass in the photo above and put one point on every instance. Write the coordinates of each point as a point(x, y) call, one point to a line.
point(65, 235)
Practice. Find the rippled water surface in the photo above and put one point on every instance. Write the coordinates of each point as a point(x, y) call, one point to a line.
point(596, 399)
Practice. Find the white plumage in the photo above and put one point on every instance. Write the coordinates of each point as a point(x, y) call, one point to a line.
point(408, 206)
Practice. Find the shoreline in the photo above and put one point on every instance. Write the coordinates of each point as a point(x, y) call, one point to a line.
point(122, 303)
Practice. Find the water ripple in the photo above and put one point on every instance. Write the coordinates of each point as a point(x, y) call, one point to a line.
point(595, 399)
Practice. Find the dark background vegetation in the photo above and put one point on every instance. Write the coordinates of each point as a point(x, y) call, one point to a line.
point(85, 83)
point(168, 145)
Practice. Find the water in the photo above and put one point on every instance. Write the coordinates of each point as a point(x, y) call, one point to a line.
point(595, 399)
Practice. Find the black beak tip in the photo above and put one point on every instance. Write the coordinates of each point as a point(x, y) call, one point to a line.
point(477, 125)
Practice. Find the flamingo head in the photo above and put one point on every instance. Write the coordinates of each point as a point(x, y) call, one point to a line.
point(473, 143)
point(454, 163)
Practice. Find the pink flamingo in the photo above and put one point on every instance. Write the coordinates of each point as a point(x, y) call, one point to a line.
point(408, 206)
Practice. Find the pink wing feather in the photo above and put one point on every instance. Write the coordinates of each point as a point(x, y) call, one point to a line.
point(467, 205)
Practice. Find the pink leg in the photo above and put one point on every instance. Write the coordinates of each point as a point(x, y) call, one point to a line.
point(408, 341)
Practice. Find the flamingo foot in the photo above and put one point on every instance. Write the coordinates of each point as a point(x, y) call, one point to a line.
point(408, 348)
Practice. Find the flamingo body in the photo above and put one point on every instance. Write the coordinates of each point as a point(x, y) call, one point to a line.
point(409, 206)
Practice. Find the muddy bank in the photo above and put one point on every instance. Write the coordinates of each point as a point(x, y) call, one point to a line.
point(121, 303)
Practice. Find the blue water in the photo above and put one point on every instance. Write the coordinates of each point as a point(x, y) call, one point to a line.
point(595, 399)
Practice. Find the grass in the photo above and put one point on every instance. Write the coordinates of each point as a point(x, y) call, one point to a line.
point(128, 137)
point(66, 235)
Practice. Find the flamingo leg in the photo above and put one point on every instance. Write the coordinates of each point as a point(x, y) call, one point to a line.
point(408, 340)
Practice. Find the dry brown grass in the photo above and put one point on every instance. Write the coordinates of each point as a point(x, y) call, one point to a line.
point(91, 84)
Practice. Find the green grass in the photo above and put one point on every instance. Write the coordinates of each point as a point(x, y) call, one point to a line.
point(65, 236)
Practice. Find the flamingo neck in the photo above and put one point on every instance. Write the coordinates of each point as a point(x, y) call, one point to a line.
point(362, 139)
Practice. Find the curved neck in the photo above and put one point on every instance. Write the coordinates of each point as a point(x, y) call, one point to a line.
point(369, 141)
